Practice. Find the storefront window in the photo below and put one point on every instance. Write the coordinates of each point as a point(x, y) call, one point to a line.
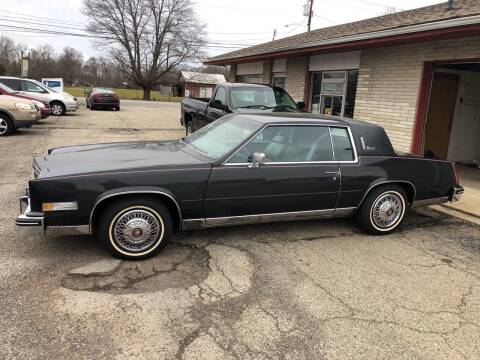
point(279, 80)
point(333, 92)
point(250, 79)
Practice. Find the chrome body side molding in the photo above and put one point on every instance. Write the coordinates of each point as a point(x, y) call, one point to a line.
point(191, 224)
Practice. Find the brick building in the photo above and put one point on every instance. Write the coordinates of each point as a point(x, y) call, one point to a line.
point(416, 73)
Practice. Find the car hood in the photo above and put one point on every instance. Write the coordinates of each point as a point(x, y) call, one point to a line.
point(113, 157)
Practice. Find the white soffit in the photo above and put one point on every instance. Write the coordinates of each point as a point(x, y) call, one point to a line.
point(337, 61)
point(279, 65)
point(250, 68)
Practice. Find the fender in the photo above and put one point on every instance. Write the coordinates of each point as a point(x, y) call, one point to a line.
point(133, 190)
point(7, 113)
point(380, 182)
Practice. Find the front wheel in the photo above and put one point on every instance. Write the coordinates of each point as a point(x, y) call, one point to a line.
point(57, 108)
point(135, 229)
point(383, 210)
point(6, 125)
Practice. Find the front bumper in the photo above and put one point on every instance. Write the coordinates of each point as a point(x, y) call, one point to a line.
point(456, 193)
point(45, 113)
point(27, 217)
point(71, 105)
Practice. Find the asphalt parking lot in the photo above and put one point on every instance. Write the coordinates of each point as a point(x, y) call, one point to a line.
point(305, 290)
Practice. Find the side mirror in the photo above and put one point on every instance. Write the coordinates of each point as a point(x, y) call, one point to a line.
point(300, 105)
point(217, 104)
point(257, 159)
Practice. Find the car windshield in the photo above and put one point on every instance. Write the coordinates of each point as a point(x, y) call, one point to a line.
point(261, 98)
point(222, 136)
point(44, 87)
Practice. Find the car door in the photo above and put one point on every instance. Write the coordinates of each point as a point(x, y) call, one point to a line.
point(299, 176)
point(216, 107)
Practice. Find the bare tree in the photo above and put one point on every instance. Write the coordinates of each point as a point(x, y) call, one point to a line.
point(43, 61)
point(70, 64)
point(9, 56)
point(147, 38)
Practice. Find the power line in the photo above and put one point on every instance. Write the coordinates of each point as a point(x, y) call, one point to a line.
point(42, 17)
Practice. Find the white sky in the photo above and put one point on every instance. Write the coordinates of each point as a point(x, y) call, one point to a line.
point(229, 22)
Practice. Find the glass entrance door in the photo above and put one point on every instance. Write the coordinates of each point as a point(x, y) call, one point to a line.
point(329, 92)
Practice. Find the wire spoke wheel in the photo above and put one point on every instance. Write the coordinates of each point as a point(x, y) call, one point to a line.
point(136, 230)
point(387, 210)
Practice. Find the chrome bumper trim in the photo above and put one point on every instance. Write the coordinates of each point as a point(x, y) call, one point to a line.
point(26, 218)
point(456, 193)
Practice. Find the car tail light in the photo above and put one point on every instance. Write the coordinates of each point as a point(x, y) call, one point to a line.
point(455, 173)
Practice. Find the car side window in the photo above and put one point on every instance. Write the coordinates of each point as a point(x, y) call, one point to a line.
point(288, 144)
point(12, 83)
point(221, 96)
point(342, 145)
point(31, 87)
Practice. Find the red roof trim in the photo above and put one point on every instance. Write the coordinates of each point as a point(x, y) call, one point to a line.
point(437, 34)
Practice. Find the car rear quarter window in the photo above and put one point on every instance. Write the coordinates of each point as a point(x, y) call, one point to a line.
point(342, 145)
point(12, 83)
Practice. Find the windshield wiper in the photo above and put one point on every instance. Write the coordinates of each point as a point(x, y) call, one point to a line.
point(254, 107)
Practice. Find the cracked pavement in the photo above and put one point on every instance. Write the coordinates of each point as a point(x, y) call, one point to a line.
point(304, 290)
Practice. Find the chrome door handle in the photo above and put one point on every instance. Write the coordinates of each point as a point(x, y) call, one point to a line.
point(333, 172)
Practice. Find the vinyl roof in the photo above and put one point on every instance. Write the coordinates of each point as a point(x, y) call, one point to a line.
point(424, 15)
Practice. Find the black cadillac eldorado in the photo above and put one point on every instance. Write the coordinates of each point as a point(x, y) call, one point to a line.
point(242, 168)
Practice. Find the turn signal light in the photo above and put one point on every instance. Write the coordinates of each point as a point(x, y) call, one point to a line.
point(59, 206)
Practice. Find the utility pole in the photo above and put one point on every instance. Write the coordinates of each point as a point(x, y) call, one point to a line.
point(310, 15)
point(274, 34)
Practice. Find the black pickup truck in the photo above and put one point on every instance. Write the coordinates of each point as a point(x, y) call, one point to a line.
point(235, 98)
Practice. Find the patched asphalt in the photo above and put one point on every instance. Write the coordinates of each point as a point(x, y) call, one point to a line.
point(304, 290)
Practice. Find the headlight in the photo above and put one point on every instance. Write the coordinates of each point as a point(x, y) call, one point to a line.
point(24, 106)
point(40, 105)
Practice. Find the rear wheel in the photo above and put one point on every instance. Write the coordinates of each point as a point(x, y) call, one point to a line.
point(57, 108)
point(117, 108)
point(383, 210)
point(88, 105)
point(6, 125)
point(134, 229)
point(92, 107)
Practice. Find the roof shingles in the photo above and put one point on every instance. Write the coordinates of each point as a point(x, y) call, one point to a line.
point(428, 14)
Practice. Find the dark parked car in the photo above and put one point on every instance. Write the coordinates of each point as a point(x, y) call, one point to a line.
point(235, 98)
point(102, 98)
point(243, 168)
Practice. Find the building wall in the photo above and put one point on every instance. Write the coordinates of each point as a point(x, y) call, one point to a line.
point(267, 72)
point(233, 73)
point(295, 77)
point(389, 82)
point(195, 90)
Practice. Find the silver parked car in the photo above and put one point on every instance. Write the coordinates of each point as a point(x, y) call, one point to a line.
point(60, 102)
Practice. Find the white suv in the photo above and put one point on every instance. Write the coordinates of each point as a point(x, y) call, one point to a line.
point(60, 102)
